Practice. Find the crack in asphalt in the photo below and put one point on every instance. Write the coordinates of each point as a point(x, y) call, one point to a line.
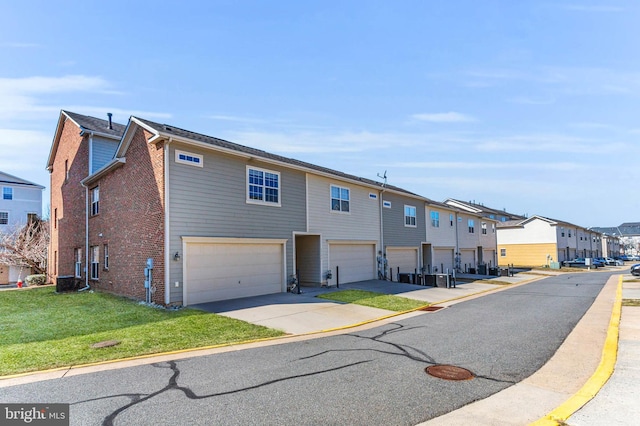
point(396, 349)
point(404, 350)
point(173, 385)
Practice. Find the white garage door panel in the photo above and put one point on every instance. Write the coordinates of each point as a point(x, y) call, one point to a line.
point(405, 259)
point(229, 271)
point(443, 260)
point(467, 257)
point(356, 261)
point(488, 257)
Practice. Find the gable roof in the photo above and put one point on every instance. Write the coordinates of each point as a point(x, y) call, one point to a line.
point(86, 124)
point(626, 229)
point(482, 209)
point(6, 178)
point(166, 131)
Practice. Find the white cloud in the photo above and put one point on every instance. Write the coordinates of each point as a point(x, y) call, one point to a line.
point(444, 117)
point(561, 166)
point(590, 8)
point(235, 119)
point(38, 85)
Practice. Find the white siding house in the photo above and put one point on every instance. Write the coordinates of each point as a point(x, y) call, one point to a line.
point(19, 200)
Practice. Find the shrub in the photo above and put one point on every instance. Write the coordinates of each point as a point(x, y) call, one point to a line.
point(40, 279)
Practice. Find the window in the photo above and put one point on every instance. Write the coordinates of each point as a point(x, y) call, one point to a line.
point(483, 225)
point(435, 219)
point(503, 252)
point(95, 201)
point(373, 196)
point(263, 186)
point(4, 218)
point(569, 233)
point(562, 231)
point(386, 204)
point(493, 228)
point(409, 216)
point(339, 199)
point(55, 262)
point(66, 170)
point(78, 265)
point(450, 219)
point(32, 217)
point(492, 216)
point(55, 218)
point(105, 250)
point(189, 158)
point(95, 262)
point(471, 224)
point(7, 193)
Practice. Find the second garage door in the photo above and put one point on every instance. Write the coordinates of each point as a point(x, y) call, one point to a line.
point(404, 258)
point(442, 260)
point(221, 269)
point(356, 261)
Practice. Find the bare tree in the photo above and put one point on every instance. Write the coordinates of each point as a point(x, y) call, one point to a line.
point(26, 246)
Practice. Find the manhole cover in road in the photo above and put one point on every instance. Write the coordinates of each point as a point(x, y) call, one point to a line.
point(431, 308)
point(449, 372)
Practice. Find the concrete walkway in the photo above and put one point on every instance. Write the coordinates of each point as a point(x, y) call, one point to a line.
point(305, 313)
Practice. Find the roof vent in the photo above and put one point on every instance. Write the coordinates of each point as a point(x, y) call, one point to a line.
point(110, 124)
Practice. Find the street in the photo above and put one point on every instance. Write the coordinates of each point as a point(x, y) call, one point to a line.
point(373, 377)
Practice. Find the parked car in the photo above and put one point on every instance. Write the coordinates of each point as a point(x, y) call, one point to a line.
point(634, 257)
point(613, 261)
point(581, 261)
point(635, 270)
point(624, 258)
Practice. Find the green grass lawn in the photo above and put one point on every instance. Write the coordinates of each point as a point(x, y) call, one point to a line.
point(374, 300)
point(630, 302)
point(40, 329)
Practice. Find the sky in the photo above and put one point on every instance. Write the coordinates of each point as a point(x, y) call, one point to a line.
point(529, 106)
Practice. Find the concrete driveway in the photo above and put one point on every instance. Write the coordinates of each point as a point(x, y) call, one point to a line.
point(305, 313)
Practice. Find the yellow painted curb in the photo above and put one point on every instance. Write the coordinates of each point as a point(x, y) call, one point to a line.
point(599, 377)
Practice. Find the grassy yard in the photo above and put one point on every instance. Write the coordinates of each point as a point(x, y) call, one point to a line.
point(374, 300)
point(40, 329)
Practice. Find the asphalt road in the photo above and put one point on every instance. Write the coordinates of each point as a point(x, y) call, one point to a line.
point(371, 377)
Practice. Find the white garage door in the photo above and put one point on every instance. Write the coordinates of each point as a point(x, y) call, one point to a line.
point(488, 257)
point(231, 270)
point(443, 260)
point(467, 259)
point(356, 261)
point(404, 258)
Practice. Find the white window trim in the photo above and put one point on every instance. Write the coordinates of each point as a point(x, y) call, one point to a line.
point(105, 254)
point(386, 204)
point(200, 163)
point(415, 217)
point(262, 202)
point(435, 221)
point(331, 198)
point(77, 263)
point(95, 263)
point(95, 201)
point(10, 192)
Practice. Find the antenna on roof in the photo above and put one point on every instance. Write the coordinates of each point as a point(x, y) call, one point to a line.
point(384, 176)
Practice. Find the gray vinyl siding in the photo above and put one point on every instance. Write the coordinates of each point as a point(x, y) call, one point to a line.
point(210, 201)
point(102, 151)
point(395, 232)
point(360, 224)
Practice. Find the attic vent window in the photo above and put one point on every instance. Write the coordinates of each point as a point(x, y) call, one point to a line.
point(386, 204)
point(189, 158)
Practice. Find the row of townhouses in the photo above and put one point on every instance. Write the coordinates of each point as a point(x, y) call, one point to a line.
point(20, 202)
point(212, 220)
point(149, 210)
point(539, 240)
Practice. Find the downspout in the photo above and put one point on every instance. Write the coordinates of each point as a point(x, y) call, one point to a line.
point(458, 255)
point(86, 238)
point(167, 236)
point(86, 219)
